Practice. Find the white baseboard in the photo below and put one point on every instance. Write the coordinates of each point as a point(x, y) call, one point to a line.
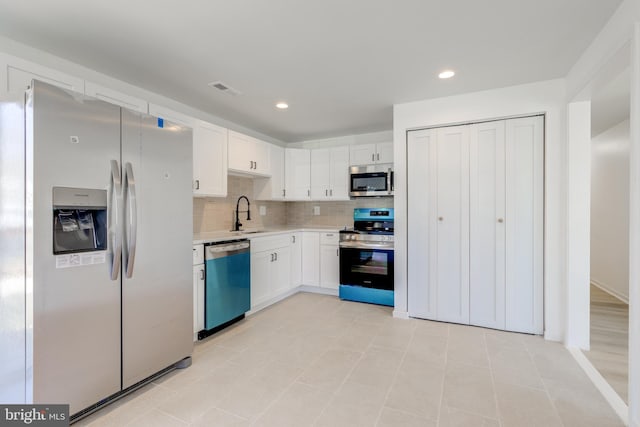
point(318, 290)
point(619, 407)
point(610, 291)
point(401, 314)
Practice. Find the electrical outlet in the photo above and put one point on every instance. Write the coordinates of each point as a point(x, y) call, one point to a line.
point(263, 210)
point(316, 210)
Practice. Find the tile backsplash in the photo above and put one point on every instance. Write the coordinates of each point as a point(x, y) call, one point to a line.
point(218, 214)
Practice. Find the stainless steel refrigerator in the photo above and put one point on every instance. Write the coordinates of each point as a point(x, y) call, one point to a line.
point(95, 248)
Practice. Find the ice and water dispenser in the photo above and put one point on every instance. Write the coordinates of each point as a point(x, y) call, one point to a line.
point(79, 220)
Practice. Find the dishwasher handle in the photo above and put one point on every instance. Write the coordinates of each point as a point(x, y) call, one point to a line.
point(226, 249)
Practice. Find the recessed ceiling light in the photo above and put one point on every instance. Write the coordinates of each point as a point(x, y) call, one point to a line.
point(447, 74)
point(282, 105)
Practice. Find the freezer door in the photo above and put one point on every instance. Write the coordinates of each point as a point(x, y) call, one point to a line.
point(13, 328)
point(157, 301)
point(75, 304)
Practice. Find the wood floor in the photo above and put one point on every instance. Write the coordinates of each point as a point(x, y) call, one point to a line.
point(610, 340)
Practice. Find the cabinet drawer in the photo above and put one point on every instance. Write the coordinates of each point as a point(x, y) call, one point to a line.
point(270, 243)
point(329, 238)
point(198, 254)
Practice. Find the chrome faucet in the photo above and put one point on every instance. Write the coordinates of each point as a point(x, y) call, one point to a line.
point(238, 223)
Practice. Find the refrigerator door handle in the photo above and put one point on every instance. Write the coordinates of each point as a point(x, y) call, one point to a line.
point(115, 214)
point(133, 218)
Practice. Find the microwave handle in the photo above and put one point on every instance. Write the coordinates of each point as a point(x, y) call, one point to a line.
point(390, 180)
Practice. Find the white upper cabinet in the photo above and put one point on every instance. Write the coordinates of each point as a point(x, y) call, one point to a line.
point(248, 155)
point(209, 152)
point(297, 174)
point(114, 97)
point(209, 160)
point(330, 173)
point(368, 154)
point(16, 75)
point(272, 188)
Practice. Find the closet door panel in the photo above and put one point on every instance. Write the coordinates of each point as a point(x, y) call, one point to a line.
point(452, 247)
point(421, 146)
point(487, 229)
point(524, 222)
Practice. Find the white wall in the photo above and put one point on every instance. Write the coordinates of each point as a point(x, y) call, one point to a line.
point(543, 97)
point(363, 138)
point(610, 210)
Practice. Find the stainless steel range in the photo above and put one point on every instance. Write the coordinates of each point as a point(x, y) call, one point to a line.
point(366, 257)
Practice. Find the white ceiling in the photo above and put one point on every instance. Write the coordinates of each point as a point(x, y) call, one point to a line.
point(341, 65)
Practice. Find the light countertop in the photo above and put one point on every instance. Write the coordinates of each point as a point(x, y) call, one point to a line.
point(220, 236)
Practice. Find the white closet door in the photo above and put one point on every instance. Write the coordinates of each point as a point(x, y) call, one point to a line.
point(524, 224)
point(486, 225)
point(421, 157)
point(451, 261)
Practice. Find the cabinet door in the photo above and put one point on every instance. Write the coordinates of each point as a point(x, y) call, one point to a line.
point(339, 187)
point(261, 157)
point(320, 173)
point(451, 257)
point(271, 188)
point(421, 217)
point(329, 266)
point(240, 152)
point(296, 260)
point(362, 154)
point(261, 277)
point(524, 224)
point(281, 273)
point(16, 75)
point(311, 258)
point(384, 152)
point(487, 228)
point(198, 299)
point(209, 160)
point(297, 175)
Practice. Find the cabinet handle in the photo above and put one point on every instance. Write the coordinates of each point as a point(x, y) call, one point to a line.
point(329, 234)
point(202, 274)
point(308, 193)
point(440, 218)
point(378, 156)
point(293, 239)
point(284, 192)
point(197, 184)
point(276, 256)
point(326, 193)
point(338, 252)
point(500, 220)
point(373, 157)
point(271, 257)
point(256, 165)
point(331, 192)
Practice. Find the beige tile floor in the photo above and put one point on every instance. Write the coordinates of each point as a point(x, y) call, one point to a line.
point(313, 360)
point(609, 352)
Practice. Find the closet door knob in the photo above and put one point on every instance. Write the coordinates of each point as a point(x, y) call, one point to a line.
point(440, 218)
point(500, 220)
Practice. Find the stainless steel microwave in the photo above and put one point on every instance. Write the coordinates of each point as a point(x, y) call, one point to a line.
point(371, 180)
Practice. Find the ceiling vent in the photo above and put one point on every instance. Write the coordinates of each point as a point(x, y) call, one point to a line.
point(223, 87)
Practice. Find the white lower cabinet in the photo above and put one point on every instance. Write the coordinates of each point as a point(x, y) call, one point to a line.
point(329, 261)
point(198, 290)
point(475, 211)
point(296, 260)
point(311, 258)
point(270, 268)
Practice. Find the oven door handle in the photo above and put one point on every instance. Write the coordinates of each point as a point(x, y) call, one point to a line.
point(362, 245)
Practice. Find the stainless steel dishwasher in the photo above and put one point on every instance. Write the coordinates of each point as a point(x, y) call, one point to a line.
point(227, 291)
